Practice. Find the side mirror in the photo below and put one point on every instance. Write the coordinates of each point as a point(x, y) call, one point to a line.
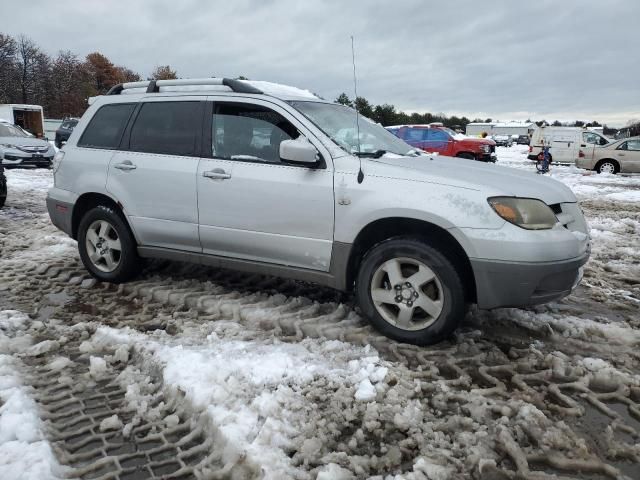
point(299, 151)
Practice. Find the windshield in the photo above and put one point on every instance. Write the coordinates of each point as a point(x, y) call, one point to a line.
point(339, 123)
point(7, 130)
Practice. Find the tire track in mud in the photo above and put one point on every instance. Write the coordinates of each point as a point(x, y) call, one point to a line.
point(172, 296)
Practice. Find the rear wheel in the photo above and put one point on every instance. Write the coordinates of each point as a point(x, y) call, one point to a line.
point(607, 166)
point(410, 291)
point(107, 247)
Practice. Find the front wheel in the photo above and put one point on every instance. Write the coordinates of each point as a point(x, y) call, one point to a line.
point(107, 247)
point(410, 291)
point(607, 166)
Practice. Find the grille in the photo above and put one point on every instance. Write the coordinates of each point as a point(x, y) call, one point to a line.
point(34, 149)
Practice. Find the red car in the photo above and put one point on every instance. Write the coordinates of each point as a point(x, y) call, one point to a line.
point(436, 138)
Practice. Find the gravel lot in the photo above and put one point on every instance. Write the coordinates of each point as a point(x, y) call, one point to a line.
point(189, 372)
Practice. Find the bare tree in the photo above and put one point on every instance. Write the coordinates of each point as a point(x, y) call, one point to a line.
point(8, 68)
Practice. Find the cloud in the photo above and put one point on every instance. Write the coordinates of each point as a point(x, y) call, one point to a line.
point(495, 58)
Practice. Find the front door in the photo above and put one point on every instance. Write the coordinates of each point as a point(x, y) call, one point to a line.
point(628, 154)
point(154, 173)
point(252, 205)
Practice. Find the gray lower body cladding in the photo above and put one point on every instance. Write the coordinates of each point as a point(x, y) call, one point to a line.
point(61, 214)
point(518, 284)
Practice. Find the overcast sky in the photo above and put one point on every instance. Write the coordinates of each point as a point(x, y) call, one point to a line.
point(503, 59)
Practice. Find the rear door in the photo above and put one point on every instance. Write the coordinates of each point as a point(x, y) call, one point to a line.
point(415, 136)
point(252, 205)
point(153, 174)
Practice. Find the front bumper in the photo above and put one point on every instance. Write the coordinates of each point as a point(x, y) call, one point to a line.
point(61, 214)
point(518, 284)
point(14, 159)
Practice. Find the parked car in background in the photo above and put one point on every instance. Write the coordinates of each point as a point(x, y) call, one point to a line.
point(523, 140)
point(64, 131)
point(564, 142)
point(620, 156)
point(270, 179)
point(436, 138)
point(502, 140)
point(20, 149)
point(3, 187)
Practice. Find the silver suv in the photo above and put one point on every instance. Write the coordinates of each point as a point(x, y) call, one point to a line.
point(271, 179)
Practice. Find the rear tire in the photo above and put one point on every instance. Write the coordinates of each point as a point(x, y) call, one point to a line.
point(107, 247)
point(410, 291)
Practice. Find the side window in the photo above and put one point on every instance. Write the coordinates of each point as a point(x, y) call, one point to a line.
point(169, 128)
point(633, 145)
point(438, 136)
point(416, 134)
point(249, 132)
point(106, 127)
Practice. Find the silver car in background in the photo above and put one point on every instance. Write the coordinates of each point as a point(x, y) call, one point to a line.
point(271, 179)
point(21, 149)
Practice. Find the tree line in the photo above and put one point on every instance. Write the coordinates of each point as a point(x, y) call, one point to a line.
point(61, 84)
point(387, 114)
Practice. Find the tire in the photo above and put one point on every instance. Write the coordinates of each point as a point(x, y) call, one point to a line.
point(607, 166)
point(101, 232)
point(468, 156)
point(442, 296)
point(3, 189)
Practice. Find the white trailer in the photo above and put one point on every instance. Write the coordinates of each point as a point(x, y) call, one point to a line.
point(476, 129)
point(28, 117)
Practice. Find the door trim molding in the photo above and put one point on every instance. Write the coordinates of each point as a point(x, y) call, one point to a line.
point(335, 278)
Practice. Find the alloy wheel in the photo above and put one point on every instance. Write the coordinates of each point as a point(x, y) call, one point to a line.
point(407, 293)
point(103, 246)
point(607, 167)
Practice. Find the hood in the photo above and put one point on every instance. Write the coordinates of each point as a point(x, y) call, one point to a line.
point(25, 142)
point(463, 173)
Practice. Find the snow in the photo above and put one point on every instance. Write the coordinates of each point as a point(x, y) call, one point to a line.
point(25, 454)
point(586, 184)
point(249, 389)
point(111, 423)
point(279, 90)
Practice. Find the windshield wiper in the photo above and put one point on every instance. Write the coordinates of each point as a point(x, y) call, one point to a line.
point(376, 154)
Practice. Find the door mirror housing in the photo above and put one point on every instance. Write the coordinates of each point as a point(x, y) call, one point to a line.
point(300, 152)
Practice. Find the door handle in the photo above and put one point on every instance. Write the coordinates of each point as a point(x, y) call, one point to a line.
point(126, 165)
point(216, 174)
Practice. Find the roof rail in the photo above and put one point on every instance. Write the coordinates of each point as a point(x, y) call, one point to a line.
point(153, 86)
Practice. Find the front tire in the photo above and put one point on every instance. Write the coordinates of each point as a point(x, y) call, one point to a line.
point(107, 247)
point(607, 166)
point(468, 156)
point(410, 291)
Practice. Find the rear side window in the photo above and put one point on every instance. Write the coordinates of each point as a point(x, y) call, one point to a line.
point(438, 136)
point(416, 135)
point(106, 127)
point(169, 128)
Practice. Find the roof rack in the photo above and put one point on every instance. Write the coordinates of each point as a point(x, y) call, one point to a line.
point(153, 86)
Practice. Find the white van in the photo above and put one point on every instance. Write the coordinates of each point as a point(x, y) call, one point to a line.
point(564, 142)
point(27, 117)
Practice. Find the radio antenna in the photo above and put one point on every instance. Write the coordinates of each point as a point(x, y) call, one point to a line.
point(355, 104)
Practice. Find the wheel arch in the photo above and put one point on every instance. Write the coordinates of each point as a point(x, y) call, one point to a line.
point(437, 236)
point(86, 202)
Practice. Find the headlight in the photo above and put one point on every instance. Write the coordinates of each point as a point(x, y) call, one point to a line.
point(57, 159)
point(486, 148)
point(528, 213)
point(7, 145)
